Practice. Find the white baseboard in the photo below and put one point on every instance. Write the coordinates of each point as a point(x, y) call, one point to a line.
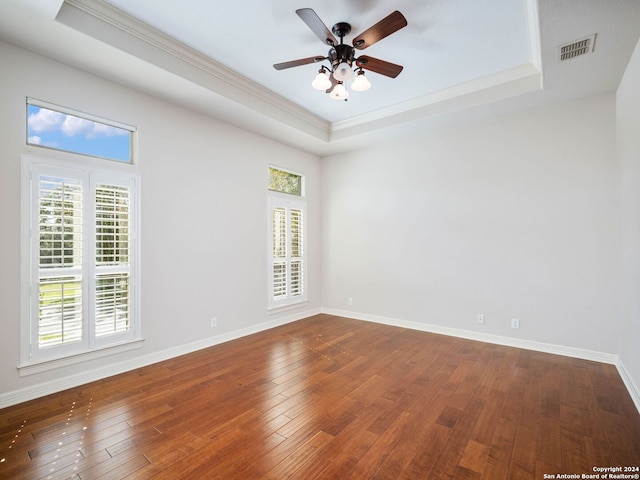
point(71, 381)
point(632, 388)
point(584, 354)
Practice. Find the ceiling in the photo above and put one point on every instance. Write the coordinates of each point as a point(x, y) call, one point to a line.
point(463, 61)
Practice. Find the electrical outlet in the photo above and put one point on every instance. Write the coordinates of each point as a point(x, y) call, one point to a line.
point(349, 301)
point(214, 322)
point(480, 319)
point(515, 323)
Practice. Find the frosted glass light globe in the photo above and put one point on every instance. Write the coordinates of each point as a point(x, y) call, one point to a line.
point(343, 72)
point(361, 83)
point(321, 82)
point(339, 92)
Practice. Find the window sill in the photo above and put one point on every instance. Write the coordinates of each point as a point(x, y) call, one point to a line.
point(32, 368)
point(285, 308)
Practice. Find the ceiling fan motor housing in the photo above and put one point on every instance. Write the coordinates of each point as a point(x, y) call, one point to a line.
point(341, 53)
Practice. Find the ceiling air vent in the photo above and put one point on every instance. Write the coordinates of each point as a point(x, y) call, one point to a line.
point(577, 48)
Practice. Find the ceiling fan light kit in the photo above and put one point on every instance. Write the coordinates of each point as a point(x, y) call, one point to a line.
point(342, 56)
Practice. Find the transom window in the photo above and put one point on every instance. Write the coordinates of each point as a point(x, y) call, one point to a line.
point(284, 181)
point(60, 128)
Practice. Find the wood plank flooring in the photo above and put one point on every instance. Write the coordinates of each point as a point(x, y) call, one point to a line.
point(332, 398)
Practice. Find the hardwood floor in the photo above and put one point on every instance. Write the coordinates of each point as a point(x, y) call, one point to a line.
point(331, 397)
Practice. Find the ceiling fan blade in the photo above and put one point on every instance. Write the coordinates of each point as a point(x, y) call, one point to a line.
point(385, 27)
point(297, 63)
point(311, 18)
point(379, 66)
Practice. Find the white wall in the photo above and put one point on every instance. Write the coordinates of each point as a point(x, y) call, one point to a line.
point(513, 219)
point(628, 129)
point(204, 214)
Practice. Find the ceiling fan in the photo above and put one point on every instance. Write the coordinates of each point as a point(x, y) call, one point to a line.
point(342, 56)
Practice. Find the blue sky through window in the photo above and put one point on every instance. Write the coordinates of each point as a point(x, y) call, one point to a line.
point(63, 131)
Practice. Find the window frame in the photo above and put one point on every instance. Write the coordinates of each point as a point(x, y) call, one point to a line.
point(288, 201)
point(91, 172)
point(133, 138)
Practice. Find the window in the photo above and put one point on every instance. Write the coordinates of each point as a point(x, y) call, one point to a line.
point(285, 182)
point(59, 128)
point(81, 278)
point(287, 217)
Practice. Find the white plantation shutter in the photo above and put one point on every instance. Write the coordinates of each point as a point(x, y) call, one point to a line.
point(59, 253)
point(288, 263)
point(112, 290)
point(287, 251)
point(279, 253)
point(81, 276)
point(297, 251)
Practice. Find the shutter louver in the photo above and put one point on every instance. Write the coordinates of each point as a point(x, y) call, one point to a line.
point(59, 311)
point(279, 280)
point(112, 304)
point(112, 225)
point(60, 225)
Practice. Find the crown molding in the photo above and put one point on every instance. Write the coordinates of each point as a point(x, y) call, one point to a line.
point(515, 81)
point(107, 23)
point(534, 33)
